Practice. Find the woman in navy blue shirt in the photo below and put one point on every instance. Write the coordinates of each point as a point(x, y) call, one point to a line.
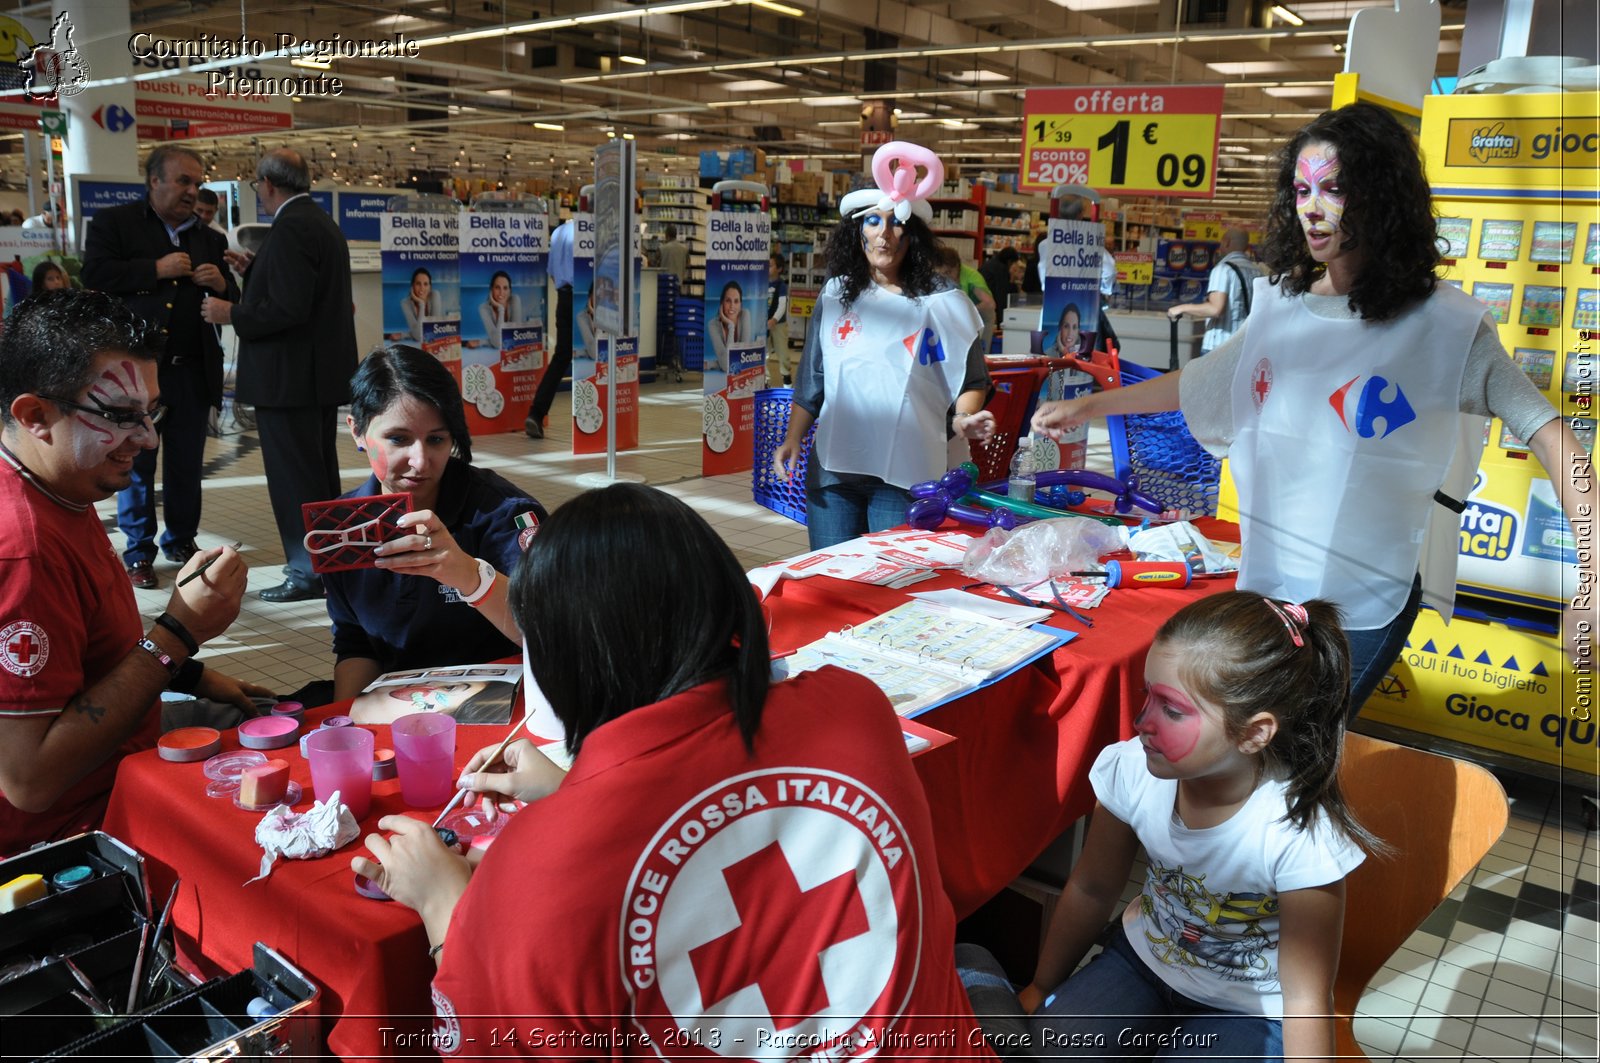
point(438, 594)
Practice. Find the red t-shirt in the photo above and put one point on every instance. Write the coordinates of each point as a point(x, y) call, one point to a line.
point(679, 895)
point(67, 617)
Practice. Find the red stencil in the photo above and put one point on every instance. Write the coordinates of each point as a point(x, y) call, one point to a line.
point(341, 533)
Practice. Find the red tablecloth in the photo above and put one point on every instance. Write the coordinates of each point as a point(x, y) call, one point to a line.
point(369, 957)
point(1017, 774)
point(1014, 779)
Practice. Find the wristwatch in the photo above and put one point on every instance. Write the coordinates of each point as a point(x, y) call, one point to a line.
point(486, 575)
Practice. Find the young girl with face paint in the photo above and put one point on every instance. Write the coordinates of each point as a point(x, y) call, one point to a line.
point(1351, 403)
point(1230, 785)
point(462, 531)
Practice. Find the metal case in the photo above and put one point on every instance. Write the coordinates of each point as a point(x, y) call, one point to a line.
point(71, 956)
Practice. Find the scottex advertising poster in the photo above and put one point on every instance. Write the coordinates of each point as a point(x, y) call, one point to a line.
point(591, 364)
point(1071, 256)
point(422, 282)
point(504, 258)
point(736, 337)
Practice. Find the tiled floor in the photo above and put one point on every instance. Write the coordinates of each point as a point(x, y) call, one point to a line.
point(1506, 969)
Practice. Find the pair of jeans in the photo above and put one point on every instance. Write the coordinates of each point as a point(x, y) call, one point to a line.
point(1117, 1007)
point(1374, 650)
point(183, 450)
point(841, 511)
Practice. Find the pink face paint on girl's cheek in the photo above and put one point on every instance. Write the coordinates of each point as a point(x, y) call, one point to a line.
point(1173, 739)
point(377, 458)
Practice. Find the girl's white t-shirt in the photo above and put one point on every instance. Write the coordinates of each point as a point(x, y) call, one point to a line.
point(1207, 919)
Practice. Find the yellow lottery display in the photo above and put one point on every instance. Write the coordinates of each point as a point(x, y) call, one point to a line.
point(1514, 181)
point(1515, 186)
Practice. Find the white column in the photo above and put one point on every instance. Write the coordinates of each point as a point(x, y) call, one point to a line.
point(100, 33)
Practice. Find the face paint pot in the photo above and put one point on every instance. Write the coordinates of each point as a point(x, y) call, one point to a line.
point(188, 744)
point(268, 732)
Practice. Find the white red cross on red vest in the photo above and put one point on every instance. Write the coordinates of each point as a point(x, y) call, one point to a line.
point(782, 931)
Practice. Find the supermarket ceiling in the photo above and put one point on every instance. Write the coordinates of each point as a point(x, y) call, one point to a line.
point(525, 88)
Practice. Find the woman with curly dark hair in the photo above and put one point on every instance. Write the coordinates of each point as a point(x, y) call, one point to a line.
point(892, 350)
point(1351, 402)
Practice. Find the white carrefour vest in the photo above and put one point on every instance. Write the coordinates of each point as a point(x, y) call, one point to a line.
point(891, 368)
point(1343, 432)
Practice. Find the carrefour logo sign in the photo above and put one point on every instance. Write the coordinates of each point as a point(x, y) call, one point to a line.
point(1487, 531)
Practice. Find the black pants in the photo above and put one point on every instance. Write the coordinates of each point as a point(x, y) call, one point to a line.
point(301, 461)
point(560, 362)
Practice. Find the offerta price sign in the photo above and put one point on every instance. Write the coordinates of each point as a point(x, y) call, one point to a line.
point(1156, 140)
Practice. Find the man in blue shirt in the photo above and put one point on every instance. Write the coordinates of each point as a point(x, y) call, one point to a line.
point(557, 365)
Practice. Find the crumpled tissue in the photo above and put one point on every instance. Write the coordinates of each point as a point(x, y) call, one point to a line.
point(304, 835)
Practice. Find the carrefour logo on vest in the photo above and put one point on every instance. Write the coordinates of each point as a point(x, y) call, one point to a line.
point(1371, 406)
point(1487, 531)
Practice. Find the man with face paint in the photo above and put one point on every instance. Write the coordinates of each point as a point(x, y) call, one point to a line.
point(1351, 403)
point(81, 673)
point(161, 260)
point(297, 352)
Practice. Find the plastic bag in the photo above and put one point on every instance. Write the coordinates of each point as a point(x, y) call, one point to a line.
point(1041, 550)
point(1181, 542)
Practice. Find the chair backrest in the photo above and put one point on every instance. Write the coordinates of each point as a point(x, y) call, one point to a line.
point(1441, 816)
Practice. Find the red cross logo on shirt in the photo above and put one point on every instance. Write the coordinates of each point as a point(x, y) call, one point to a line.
point(846, 329)
point(777, 901)
point(1261, 383)
point(782, 932)
point(24, 648)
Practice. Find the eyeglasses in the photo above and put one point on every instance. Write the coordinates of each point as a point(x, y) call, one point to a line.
point(128, 420)
point(253, 184)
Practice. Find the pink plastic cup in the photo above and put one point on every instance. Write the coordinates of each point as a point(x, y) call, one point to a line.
point(341, 759)
point(425, 753)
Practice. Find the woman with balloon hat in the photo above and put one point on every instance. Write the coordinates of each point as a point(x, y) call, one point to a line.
point(891, 368)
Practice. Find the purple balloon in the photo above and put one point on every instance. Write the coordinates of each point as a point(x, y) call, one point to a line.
point(957, 482)
point(926, 489)
point(928, 513)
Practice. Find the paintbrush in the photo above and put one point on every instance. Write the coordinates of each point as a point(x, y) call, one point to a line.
point(155, 938)
point(207, 563)
point(461, 794)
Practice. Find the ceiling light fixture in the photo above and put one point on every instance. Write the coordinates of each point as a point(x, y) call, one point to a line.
point(633, 60)
point(553, 127)
point(1288, 16)
point(538, 24)
point(782, 9)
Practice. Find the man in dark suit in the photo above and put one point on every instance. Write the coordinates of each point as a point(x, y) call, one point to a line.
point(297, 352)
point(161, 261)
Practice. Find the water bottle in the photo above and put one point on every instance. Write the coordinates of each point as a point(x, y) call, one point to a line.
point(1021, 484)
